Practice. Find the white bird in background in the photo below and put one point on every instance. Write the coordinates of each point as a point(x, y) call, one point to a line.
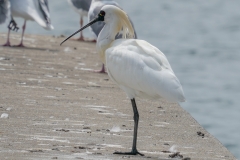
point(138, 68)
point(33, 10)
point(4, 9)
point(95, 8)
point(81, 7)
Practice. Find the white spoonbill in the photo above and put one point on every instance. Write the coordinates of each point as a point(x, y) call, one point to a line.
point(81, 7)
point(34, 10)
point(137, 67)
point(96, 28)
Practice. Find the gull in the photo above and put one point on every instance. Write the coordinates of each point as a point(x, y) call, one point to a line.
point(33, 10)
point(4, 9)
point(137, 67)
point(95, 8)
point(81, 7)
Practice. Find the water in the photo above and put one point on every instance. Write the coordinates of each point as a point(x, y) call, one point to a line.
point(201, 41)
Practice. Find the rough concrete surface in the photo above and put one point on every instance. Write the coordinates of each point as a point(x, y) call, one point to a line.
point(52, 106)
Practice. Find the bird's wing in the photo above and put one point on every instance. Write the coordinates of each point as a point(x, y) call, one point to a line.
point(4, 8)
point(81, 5)
point(43, 5)
point(141, 69)
point(40, 13)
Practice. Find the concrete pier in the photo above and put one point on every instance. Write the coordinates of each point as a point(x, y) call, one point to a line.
point(52, 106)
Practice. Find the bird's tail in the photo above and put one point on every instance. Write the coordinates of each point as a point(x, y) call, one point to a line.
point(49, 27)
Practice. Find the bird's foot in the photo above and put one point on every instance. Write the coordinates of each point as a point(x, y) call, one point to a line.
point(13, 26)
point(79, 39)
point(93, 40)
point(20, 45)
point(90, 40)
point(129, 153)
point(7, 44)
point(101, 71)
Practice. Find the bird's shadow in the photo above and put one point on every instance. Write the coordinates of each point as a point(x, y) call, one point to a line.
point(33, 48)
point(40, 49)
point(145, 157)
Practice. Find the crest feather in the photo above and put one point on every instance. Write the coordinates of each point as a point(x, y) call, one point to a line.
point(125, 25)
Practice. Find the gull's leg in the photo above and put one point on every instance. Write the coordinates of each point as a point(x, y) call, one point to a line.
point(23, 30)
point(81, 34)
point(8, 41)
point(81, 38)
point(11, 26)
point(134, 146)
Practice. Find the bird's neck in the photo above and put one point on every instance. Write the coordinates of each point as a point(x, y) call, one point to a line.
point(105, 38)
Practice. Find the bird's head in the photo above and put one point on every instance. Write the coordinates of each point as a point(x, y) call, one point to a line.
point(111, 14)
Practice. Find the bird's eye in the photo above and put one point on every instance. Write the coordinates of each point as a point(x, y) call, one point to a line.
point(102, 13)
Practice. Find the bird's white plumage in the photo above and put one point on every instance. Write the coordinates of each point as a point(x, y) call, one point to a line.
point(142, 70)
point(29, 10)
point(137, 67)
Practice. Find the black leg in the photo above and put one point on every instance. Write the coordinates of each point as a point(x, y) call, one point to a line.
point(134, 146)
